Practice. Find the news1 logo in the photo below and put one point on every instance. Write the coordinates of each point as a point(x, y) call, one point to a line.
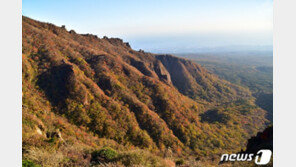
point(261, 158)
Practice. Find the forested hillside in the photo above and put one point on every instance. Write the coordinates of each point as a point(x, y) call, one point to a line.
point(252, 70)
point(90, 100)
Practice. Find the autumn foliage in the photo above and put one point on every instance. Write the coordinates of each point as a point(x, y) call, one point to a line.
point(99, 92)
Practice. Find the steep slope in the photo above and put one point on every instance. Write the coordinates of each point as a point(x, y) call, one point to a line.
point(132, 99)
point(194, 81)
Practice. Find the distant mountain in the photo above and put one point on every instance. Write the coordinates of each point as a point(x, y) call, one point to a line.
point(82, 94)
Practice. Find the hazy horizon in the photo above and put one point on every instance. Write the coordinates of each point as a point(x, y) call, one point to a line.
point(165, 26)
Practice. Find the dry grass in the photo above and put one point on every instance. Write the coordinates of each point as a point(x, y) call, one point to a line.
point(45, 158)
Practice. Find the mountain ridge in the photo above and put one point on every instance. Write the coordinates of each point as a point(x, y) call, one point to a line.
point(136, 99)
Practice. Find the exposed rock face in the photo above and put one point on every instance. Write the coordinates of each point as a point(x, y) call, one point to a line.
point(143, 67)
point(39, 131)
point(180, 76)
point(72, 32)
point(194, 81)
point(127, 44)
point(162, 72)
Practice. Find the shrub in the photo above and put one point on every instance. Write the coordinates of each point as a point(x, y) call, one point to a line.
point(104, 155)
point(179, 162)
point(142, 158)
point(28, 163)
point(133, 158)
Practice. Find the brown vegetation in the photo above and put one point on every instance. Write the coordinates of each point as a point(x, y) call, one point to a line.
point(100, 93)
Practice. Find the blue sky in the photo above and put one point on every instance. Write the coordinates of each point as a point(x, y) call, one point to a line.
point(163, 25)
